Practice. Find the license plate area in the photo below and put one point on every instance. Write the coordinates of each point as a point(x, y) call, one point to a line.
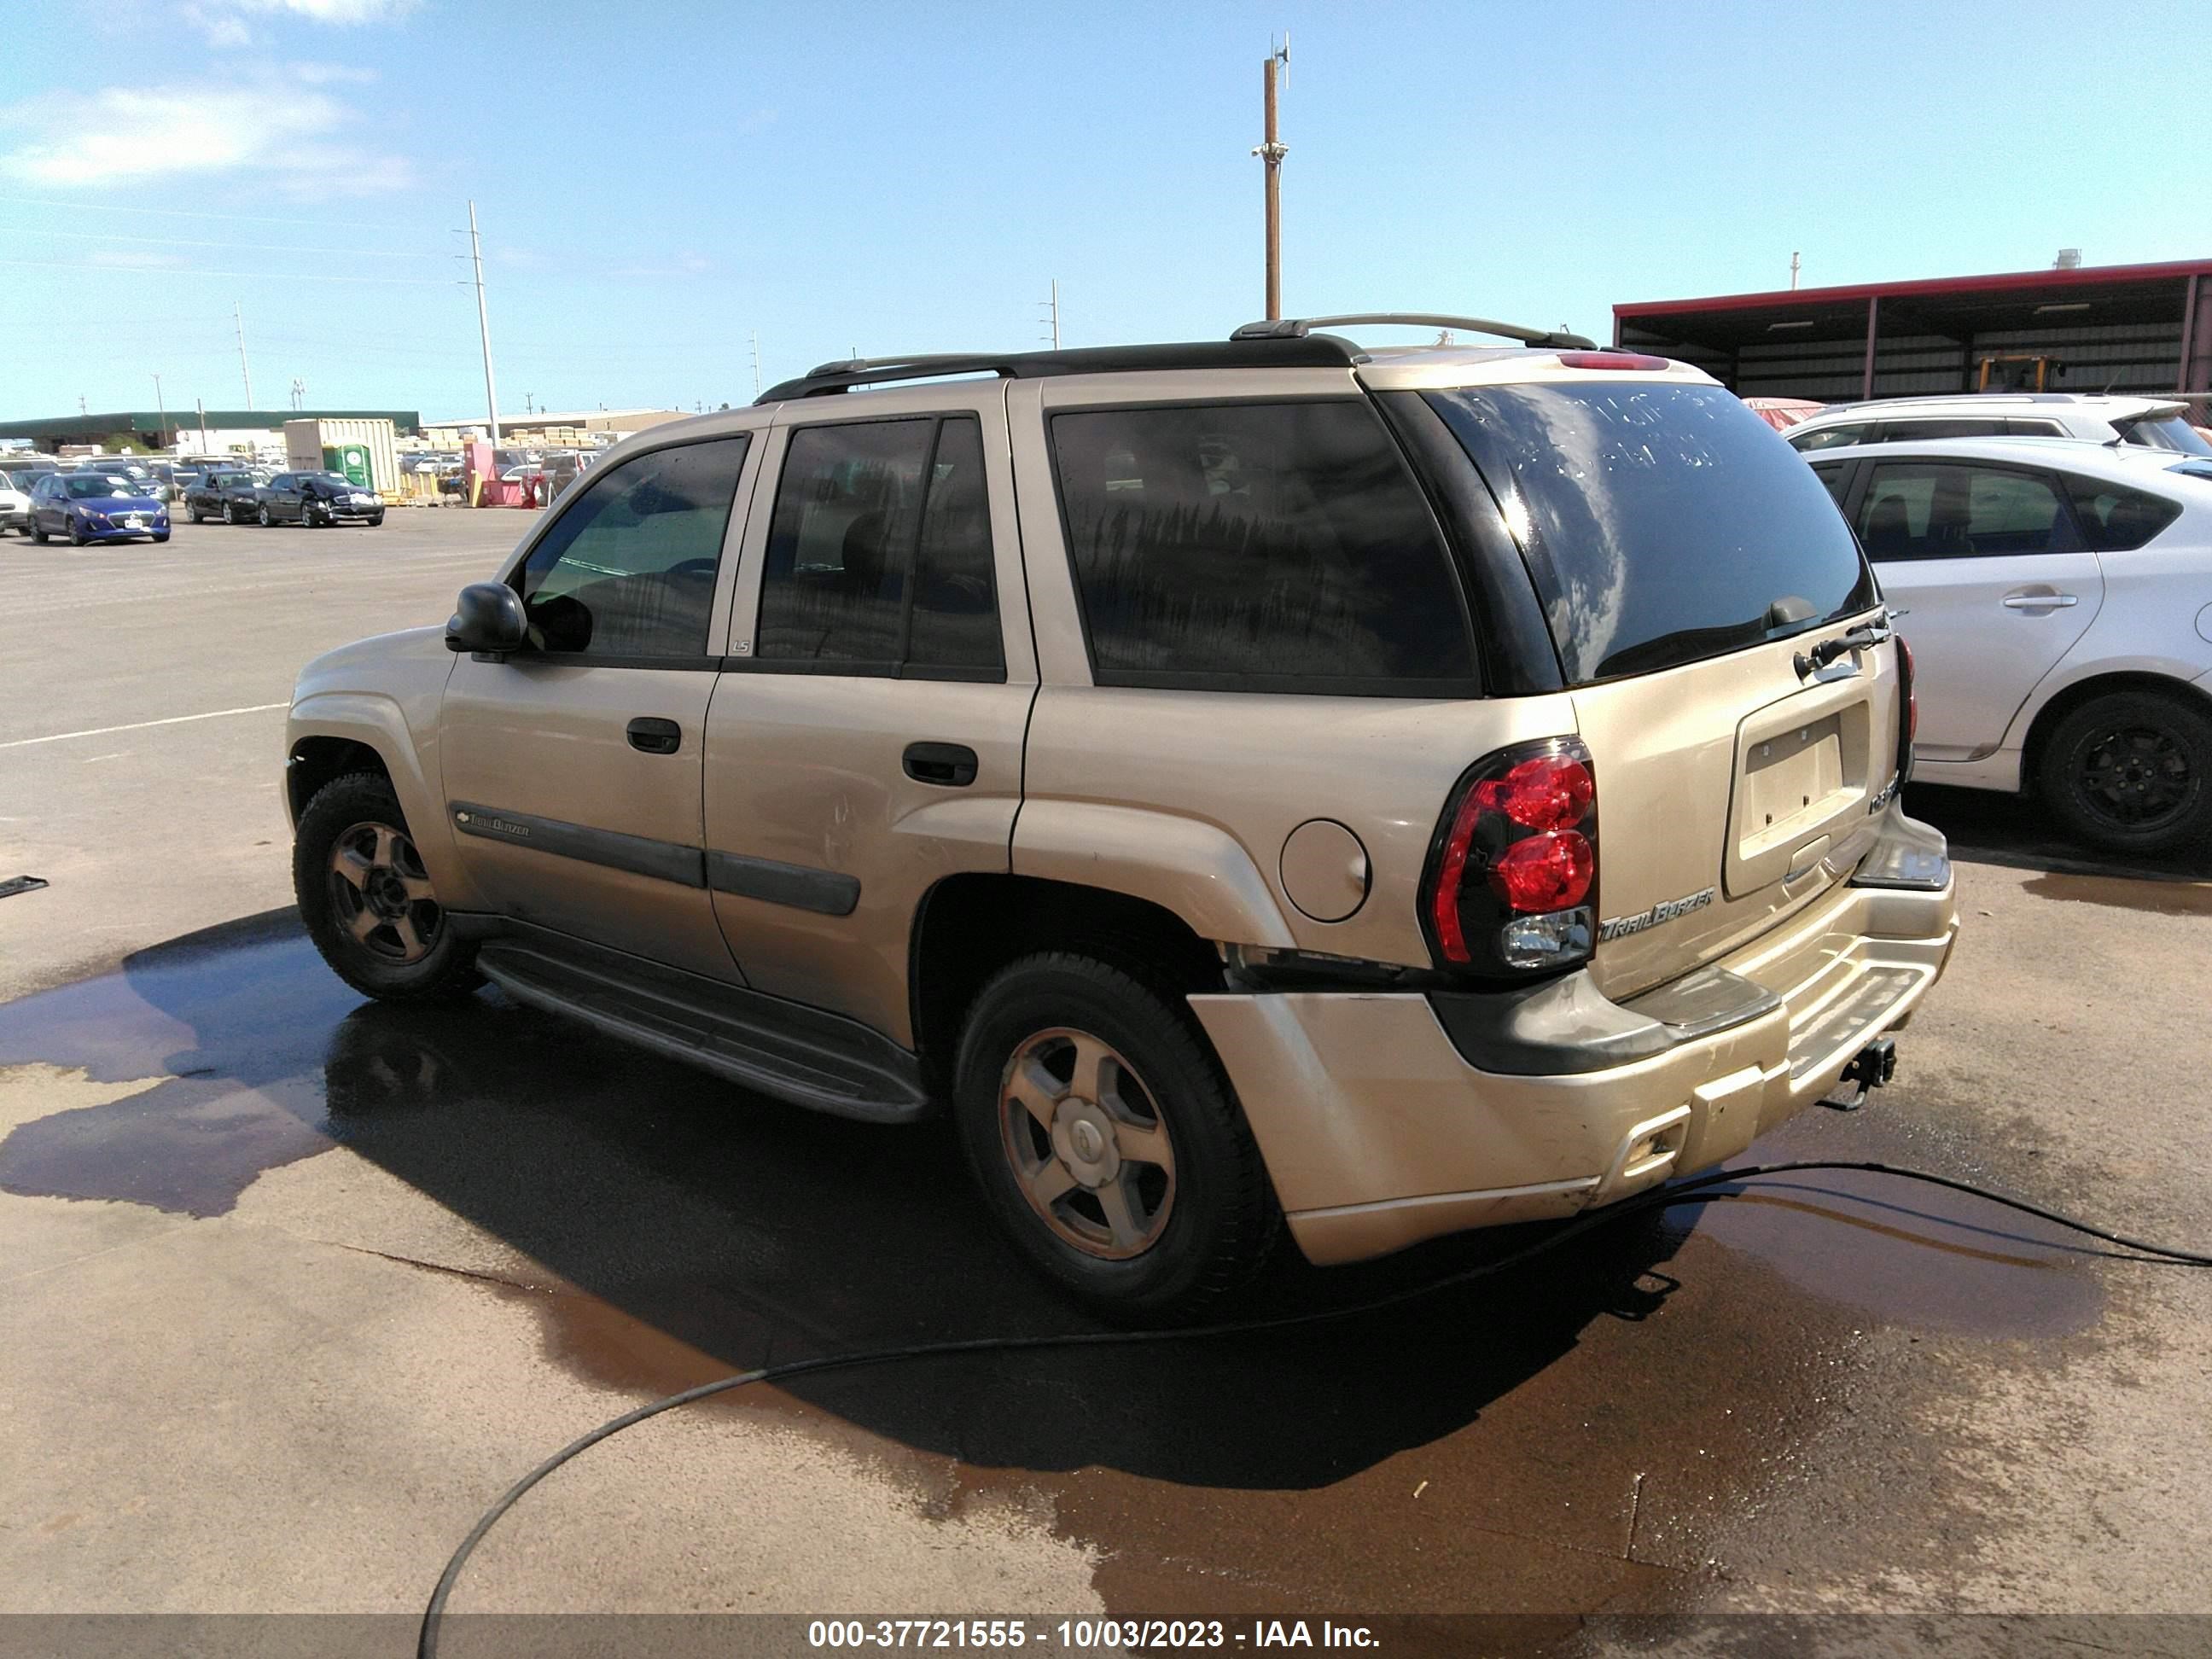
point(1801, 769)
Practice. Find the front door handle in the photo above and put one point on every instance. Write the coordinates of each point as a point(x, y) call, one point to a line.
point(2051, 600)
point(655, 736)
point(950, 764)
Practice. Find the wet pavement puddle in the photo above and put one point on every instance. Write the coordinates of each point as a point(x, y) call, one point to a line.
point(2164, 898)
point(1561, 1438)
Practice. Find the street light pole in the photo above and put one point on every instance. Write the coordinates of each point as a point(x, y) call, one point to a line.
point(483, 324)
point(1270, 152)
point(161, 432)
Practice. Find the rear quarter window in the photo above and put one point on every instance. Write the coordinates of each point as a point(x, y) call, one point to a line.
point(2116, 518)
point(1258, 547)
point(1662, 523)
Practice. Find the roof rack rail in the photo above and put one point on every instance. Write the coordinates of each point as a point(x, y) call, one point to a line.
point(1286, 351)
point(1293, 328)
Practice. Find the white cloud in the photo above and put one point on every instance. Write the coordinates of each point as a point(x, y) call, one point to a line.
point(270, 135)
point(224, 21)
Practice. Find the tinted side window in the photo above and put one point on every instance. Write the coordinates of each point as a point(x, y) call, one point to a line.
point(2018, 429)
point(1257, 547)
point(1923, 511)
point(1907, 431)
point(1832, 437)
point(847, 509)
point(956, 609)
point(628, 570)
point(2114, 518)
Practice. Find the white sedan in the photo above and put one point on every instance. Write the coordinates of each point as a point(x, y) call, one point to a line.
point(2056, 595)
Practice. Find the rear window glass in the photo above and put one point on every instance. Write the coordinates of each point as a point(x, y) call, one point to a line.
point(2165, 432)
point(1258, 547)
point(1663, 524)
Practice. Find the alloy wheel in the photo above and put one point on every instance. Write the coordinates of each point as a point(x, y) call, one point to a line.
point(380, 894)
point(1088, 1144)
point(2134, 777)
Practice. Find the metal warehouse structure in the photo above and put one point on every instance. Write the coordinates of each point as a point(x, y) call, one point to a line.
point(159, 429)
point(2108, 328)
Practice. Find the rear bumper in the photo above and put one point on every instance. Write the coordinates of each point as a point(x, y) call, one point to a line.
point(1379, 1133)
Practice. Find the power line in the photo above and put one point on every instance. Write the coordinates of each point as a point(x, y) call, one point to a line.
point(206, 271)
point(180, 241)
point(187, 212)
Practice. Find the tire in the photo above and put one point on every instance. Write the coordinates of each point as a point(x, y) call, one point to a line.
point(197, 516)
point(163, 536)
point(266, 521)
point(1191, 1229)
point(39, 532)
point(2131, 772)
point(76, 535)
point(375, 519)
point(406, 951)
point(230, 513)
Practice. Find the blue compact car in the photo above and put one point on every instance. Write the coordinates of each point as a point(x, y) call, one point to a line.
point(95, 507)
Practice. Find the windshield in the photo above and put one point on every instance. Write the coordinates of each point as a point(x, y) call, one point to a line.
point(2165, 432)
point(337, 478)
point(86, 486)
point(1663, 524)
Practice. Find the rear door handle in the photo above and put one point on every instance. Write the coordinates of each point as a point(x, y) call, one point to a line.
point(950, 764)
point(2038, 601)
point(655, 736)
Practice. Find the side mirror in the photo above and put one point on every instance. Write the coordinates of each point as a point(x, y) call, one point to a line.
point(488, 619)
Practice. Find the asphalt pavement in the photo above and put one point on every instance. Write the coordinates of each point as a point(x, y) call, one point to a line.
point(295, 1284)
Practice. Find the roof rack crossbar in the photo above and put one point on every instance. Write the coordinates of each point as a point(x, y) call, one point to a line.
point(1297, 327)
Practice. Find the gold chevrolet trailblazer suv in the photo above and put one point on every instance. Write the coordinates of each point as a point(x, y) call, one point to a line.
point(1183, 766)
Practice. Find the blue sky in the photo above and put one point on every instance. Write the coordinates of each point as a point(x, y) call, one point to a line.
point(658, 181)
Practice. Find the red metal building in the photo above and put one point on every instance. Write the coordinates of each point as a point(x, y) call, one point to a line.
point(2108, 328)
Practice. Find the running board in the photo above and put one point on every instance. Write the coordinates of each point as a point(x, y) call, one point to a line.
point(794, 1053)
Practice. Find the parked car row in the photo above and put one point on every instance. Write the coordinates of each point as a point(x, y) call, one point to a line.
point(309, 499)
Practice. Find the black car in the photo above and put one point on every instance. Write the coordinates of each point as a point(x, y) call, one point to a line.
point(318, 498)
point(231, 494)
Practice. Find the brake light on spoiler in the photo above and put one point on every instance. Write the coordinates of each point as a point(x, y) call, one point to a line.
point(1512, 873)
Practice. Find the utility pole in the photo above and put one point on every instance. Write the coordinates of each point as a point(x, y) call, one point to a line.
point(80, 408)
point(298, 392)
point(1052, 314)
point(1270, 152)
point(238, 316)
point(484, 323)
point(529, 402)
point(200, 403)
point(162, 408)
point(1793, 273)
point(757, 385)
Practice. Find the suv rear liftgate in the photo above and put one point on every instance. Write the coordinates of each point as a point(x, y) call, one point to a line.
point(1758, 909)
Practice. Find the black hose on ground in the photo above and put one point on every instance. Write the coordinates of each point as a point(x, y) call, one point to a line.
point(1698, 1189)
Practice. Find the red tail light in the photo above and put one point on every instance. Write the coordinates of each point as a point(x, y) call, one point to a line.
point(1617, 360)
point(1514, 867)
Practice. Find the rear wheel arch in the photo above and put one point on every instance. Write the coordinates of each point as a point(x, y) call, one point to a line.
point(2052, 714)
point(971, 925)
